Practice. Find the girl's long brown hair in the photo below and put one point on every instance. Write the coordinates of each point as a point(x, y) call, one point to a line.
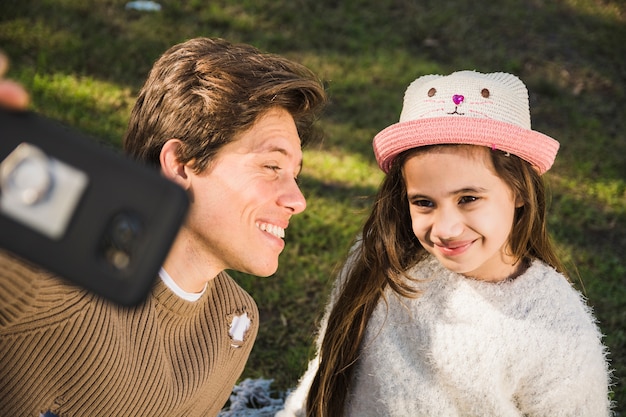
point(388, 248)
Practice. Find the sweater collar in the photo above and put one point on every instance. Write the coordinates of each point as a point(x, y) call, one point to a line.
point(172, 302)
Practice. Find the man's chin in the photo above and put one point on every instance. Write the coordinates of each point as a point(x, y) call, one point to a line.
point(263, 271)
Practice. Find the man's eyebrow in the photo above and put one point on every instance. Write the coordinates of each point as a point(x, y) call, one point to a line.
point(279, 149)
point(284, 152)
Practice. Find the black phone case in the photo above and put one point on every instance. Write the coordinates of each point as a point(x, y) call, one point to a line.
point(116, 184)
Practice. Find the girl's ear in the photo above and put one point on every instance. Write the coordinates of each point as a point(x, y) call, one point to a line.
point(171, 167)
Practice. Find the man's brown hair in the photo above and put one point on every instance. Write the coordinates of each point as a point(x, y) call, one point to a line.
point(205, 91)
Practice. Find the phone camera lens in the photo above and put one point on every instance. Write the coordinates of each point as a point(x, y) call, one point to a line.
point(125, 229)
point(121, 237)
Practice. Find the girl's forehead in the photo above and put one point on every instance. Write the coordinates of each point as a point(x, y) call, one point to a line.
point(446, 168)
point(470, 153)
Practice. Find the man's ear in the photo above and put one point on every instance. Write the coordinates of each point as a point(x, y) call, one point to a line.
point(171, 167)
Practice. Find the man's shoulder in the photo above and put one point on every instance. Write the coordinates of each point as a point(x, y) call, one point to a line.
point(30, 293)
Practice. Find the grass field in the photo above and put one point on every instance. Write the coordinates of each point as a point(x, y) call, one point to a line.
point(84, 62)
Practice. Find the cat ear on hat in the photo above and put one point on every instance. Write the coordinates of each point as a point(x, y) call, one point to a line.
point(512, 82)
point(409, 94)
point(424, 79)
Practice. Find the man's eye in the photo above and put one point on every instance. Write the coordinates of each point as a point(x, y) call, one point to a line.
point(274, 168)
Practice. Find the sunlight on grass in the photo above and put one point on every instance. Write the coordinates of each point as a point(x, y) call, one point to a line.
point(95, 107)
point(100, 95)
point(345, 168)
point(608, 193)
point(605, 9)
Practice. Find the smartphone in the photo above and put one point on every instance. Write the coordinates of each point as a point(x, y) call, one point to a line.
point(83, 211)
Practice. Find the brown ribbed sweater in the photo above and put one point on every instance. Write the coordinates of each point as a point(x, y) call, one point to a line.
point(73, 353)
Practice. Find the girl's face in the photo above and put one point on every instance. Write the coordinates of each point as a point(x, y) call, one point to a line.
point(461, 211)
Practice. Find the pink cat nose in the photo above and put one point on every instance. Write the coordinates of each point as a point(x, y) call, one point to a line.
point(458, 99)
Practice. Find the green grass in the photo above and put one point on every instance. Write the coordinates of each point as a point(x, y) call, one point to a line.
point(84, 62)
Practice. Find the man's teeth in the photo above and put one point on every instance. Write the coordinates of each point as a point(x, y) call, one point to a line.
point(272, 228)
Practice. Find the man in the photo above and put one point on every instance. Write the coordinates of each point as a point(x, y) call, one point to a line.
point(224, 122)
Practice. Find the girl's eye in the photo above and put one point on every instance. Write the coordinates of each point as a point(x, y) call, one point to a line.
point(423, 203)
point(467, 199)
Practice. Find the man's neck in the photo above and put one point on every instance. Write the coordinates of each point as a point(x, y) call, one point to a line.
point(187, 267)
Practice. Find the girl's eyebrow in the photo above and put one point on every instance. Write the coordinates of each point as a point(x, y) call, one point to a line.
point(469, 190)
point(464, 190)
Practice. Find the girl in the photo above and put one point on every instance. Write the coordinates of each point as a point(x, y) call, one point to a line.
point(453, 301)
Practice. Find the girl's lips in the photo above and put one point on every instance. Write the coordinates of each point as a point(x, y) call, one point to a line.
point(454, 249)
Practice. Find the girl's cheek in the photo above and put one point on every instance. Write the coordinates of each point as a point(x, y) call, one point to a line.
point(418, 228)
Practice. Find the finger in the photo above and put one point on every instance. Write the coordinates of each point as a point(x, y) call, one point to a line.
point(4, 64)
point(13, 95)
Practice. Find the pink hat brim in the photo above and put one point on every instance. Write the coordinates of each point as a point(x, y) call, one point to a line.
point(535, 147)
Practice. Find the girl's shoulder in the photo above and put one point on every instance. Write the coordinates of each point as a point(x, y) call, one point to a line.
point(542, 281)
point(550, 290)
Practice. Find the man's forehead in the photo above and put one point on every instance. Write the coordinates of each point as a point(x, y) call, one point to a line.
point(282, 146)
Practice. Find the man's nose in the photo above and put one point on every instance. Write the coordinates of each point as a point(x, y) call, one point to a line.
point(292, 198)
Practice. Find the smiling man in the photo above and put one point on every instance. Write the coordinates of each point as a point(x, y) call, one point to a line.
point(249, 190)
point(225, 122)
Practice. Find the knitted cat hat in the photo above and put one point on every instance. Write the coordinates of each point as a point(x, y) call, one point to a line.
point(466, 107)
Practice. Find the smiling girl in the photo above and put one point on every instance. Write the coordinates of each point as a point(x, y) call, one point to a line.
point(453, 301)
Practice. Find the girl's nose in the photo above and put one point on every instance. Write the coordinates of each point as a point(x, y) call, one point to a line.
point(447, 224)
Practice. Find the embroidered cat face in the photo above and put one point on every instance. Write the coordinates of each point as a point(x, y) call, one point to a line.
point(468, 94)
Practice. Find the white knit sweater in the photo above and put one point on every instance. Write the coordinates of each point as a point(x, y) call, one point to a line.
point(523, 347)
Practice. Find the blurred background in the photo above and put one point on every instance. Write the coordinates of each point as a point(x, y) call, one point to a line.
point(84, 61)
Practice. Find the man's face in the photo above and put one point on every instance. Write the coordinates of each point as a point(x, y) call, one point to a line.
point(241, 204)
